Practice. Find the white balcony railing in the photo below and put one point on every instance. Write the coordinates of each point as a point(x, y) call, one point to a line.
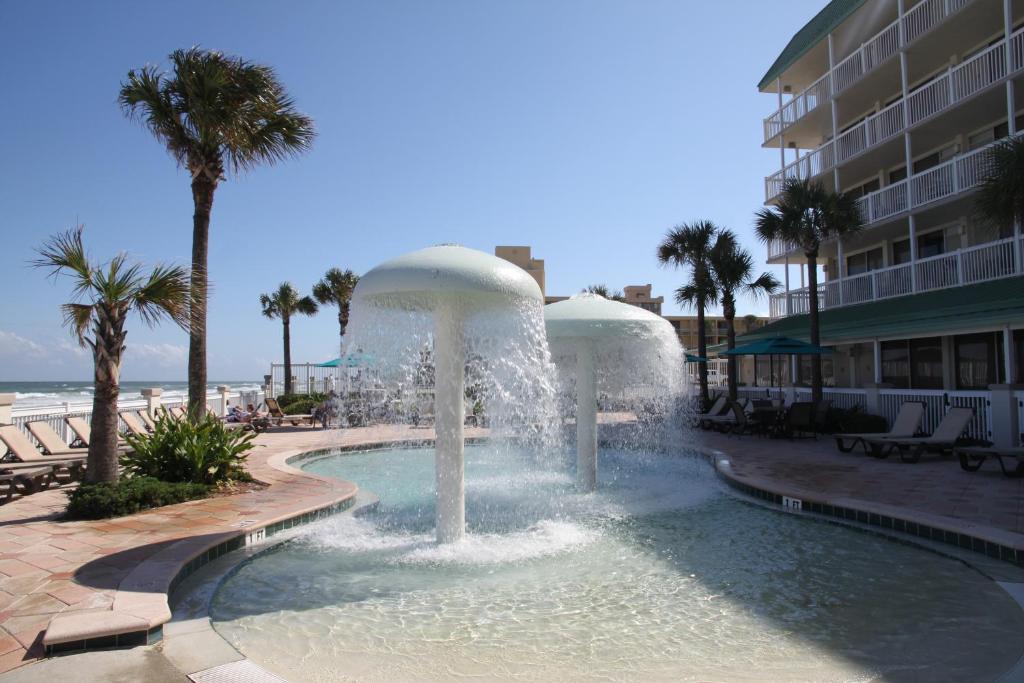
point(949, 88)
point(989, 261)
point(880, 48)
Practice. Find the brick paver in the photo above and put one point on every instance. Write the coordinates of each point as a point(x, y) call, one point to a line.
point(50, 567)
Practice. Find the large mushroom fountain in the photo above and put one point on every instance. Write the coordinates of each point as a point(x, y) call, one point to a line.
point(450, 284)
point(614, 344)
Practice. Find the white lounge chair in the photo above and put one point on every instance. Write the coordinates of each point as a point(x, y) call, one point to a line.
point(134, 424)
point(50, 441)
point(25, 451)
point(943, 439)
point(905, 426)
point(716, 410)
point(972, 458)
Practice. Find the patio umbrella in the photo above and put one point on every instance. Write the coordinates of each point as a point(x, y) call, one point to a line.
point(776, 346)
point(690, 358)
point(351, 360)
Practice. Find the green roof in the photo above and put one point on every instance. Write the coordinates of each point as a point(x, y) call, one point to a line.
point(816, 30)
point(943, 311)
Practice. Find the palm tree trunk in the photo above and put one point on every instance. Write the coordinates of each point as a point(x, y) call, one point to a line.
point(729, 312)
point(202, 197)
point(101, 464)
point(812, 310)
point(702, 351)
point(341, 323)
point(287, 356)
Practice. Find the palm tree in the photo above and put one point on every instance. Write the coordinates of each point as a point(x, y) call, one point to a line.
point(1000, 197)
point(807, 215)
point(213, 112)
point(103, 296)
point(335, 287)
point(689, 245)
point(733, 270)
point(605, 291)
point(283, 304)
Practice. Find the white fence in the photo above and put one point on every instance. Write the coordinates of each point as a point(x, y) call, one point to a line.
point(943, 92)
point(879, 49)
point(56, 415)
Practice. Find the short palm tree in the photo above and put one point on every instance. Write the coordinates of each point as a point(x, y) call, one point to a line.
point(689, 245)
point(335, 287)
point(807, 215)
point(606, 292)
point(733, 270)
point(283, 304)
point(213, 112)
point(1000, 197)
point(104, 294)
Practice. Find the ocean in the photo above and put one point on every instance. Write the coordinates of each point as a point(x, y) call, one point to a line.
point(31, 394)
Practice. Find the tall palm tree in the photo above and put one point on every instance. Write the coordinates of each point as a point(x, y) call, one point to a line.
point(103, 296)
point(213, 112)
point(335, 287)
point(689, 245)
point(284, 303)
point(732, 267)
point(807, 215)
point(1000, 197)
point(605, 291)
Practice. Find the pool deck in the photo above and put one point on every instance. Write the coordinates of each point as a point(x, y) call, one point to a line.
point(66, 579)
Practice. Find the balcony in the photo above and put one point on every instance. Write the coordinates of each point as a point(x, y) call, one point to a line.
point(990, 261)
point(943, 92)
point(880, 48)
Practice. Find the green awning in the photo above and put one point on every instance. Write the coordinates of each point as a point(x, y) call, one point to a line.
point(691, 358)
point(940, 312)
point(776, 346)
point(815, 31)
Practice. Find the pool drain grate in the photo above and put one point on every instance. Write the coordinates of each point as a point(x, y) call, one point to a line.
point(244, 671)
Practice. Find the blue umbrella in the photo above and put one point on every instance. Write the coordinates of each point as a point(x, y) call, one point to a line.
point(351, 360)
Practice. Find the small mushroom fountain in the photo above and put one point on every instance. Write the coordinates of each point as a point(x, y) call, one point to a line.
point(450, 284)
point(614, 344)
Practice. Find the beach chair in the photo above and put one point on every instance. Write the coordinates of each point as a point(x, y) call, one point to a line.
point(23, 449)
point(80, 428)
point(277, 415)
point(147, 420)
point(177, 412)
point(717, 409)
point(943, 440)
point(1011, 460)
point(26, 481)
point(50, 440)
point(134, 424)
point(906, 425)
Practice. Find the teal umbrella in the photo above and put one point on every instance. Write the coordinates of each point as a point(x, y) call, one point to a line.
point(777, 346)
point(351, 360)
point(690, 358)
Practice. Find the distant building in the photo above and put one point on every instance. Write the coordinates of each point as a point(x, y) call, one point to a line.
point(522, 257)
point(686, 327)
point(640, 295)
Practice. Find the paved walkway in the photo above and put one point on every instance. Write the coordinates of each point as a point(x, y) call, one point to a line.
point(50, 567)
point(934, 486)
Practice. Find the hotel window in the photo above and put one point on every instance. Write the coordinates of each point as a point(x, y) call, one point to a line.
point(896, 364)
point(929, 244)
point(978, 360)
point(1018, 349)
point(913, 363)
point(864, 262)
point(861, 190)
point(897, 174)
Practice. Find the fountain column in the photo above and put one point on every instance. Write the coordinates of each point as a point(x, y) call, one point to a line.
point(449, 408)
point(586, 417)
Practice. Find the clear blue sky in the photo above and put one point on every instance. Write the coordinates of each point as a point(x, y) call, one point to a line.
point(584, 128)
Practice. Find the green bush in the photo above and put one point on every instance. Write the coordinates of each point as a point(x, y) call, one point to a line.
point(180, 451)
point(285, 400)
point(99, 501)
point(855, 421)
point(303, 407)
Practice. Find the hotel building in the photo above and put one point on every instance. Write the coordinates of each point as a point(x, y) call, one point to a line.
point(897, 102)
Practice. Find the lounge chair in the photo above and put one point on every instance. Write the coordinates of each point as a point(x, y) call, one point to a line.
point(25, 481)
point(83, 432)
point(147, 420)
point(905, 426)
point(177, 412)
point(724, 421)
point(717, 409)
point(134, 424)
point(23, 449)
point(737, 421)
point(277, 415)
point(800, 418)
point(943, 439)
point(50, 441)
point(972, 458)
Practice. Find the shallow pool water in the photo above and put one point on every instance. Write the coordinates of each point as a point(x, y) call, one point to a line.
point(662, 575)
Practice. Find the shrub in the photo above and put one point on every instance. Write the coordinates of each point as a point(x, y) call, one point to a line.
point(180, 451)
point(856, 421)
point(303, 407)
point(285, 400)
point(125, 497)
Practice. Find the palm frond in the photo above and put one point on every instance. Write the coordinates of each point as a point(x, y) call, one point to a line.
point(66, 252)
point(1000, 196)
point(166, 293)
point(77, 318)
